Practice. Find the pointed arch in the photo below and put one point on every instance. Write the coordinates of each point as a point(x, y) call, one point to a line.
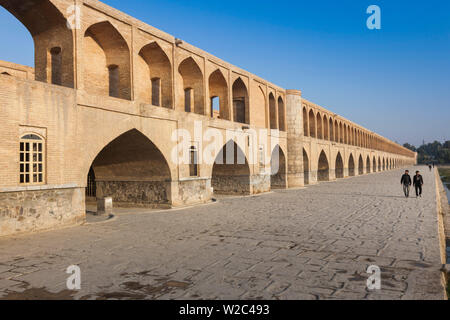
point(281, 115)
point(231, 171)
point(218, 87)
point(360, 165)
point(368, 166)
point(305, 123)
point(107, 69)
point(332, 134)
point(339, 167)
point(53, 41)
point(326, 134)
point(156, 79)
point(351, 166)
point(306, 167)
point(278, 177)
point(312, 124)
point(374, 166)
point(273, 112)
point(323, 171)
point(319, 126)
point(240, 102)
point(192, 86)
point(133, 171)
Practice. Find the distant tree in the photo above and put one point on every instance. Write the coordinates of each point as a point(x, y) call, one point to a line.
point(447, 145)
point(410, 147)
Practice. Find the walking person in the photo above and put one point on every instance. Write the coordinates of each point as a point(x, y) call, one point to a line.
point(431, 168)
point(406, 182)
point(418, 184)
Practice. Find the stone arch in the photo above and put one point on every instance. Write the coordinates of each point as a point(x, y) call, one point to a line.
point(305, 123)
point(133, 171)
point(218, 87)
point(345, 134)
point(305, 167)
point(192, 86)
point(240, 102)
point(155, 77)
point(281, 115)
point(312, 124)
point(384, 164)
point(326, 135)
point(341, 133)
point(360, 165)
point(107, 66)
point(319, 126)
point(374, 166)
point(339, 167)
point(231, 174)
point(278, 177)
point(368, 167)
point(379, 164)
point(351, 166)
point(273, 112)
point(48, 28)
point(323, 169)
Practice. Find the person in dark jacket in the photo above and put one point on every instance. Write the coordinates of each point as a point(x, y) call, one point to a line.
point(406, 182)
point(418, 183)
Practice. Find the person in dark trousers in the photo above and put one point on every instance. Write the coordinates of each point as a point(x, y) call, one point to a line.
point(418, 183)
point(431, 168)
point(406, 182)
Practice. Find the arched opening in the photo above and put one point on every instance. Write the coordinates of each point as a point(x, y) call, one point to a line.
point(218, 92)
point(278, 176)
point(240, 102)
point(312, 124)
point(193, 86)
point(325, 128)
point(331, 130)
point(323, 171)
point(345, 134)
point(53, 40)
point(379, 164)
point(336, 131)
point(305, 167)
point(305, 123)
point(155, 76)
point(374, 165)
point(107, 68)
point(341, 135)
point(339, 170)
point(384, 164)
point(281, 115)
point(361, 165)
point(132, 171)
point(319, 126)
point(351, 166)
point(368, 168)
point(5, 74)
point(273, 112)
point(231, 172)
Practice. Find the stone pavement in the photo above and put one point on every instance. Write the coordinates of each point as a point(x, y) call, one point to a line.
point(313, 243)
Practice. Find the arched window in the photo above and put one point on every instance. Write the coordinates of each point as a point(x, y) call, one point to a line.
point(32, 160)
point(193, 162)
point(156, 92)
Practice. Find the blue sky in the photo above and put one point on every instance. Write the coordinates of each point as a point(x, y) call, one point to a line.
point(394, 81)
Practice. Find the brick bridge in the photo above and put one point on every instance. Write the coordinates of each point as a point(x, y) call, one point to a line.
point(116, 108)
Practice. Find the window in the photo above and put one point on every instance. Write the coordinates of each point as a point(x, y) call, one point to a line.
point(156, 92)
point(113, 81)
point(188, 99)
point(193, 162)
point(32, 153)
point(215, 107)
point(262, 159)
point(56, 65)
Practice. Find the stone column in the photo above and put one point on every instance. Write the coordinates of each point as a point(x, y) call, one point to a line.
point(294, 126)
